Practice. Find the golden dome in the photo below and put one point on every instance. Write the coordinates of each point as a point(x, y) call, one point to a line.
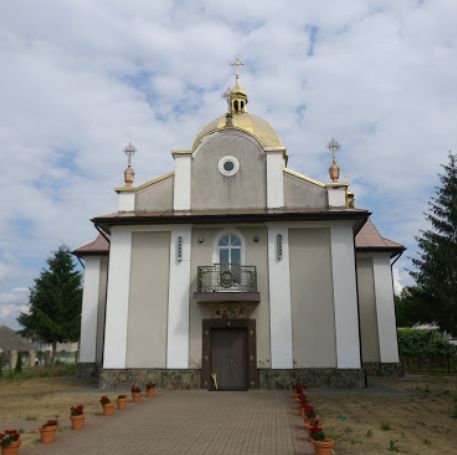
point(255, 126)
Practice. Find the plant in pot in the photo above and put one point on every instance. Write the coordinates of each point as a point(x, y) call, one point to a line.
point(302, 401)
point(309, 414)
point(77, 417)
point(108, 407)
point(322, 445)
point(48, 431)
point(121, 401)
point(10, 441)
point(150, 389)
point(136, 393)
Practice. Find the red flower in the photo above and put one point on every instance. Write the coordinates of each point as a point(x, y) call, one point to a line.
point(104, 400)
point(77, 410)
point(2, 435)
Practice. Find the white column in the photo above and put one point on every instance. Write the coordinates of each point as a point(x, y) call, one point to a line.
point(181, 190)
point(280, 302)
point(89, 311)
point(178, 298)
point(345, 297)
point(275, 179)
point(117, 305)
point(126, 201)
point(336, 193)
point(385, 308)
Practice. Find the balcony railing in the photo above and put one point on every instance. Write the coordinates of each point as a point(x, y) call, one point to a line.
point(227, 278)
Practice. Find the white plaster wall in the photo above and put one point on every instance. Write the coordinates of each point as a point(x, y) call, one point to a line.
point(89, 311)
point(117, 299)
point(275, 180)
point(280, 301)
point(181, 191)
point(336, 197)
point(126, 201)
point(178, 306)
point(345, 296)
point(385, 308)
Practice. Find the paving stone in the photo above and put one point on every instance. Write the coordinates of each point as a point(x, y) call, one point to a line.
point(196, 422)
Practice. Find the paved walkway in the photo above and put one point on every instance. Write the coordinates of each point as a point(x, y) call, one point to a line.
point(257, 422)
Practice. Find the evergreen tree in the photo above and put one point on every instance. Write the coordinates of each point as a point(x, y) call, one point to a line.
point(54, 314)
point(436, 265)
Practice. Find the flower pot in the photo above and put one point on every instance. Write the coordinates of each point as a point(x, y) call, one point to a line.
point(121, 403)
point(108, 409)
point(77, 422)
point(307, 422)
point(48, 434)
point(323, 447)
point(12, 449)
point(150, 392)
point(136, 397)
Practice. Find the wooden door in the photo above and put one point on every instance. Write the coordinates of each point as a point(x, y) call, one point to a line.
point(229, 358)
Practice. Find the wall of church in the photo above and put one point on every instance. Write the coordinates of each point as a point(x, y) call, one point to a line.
point(299, 193)
point(256, 254)
point(212, 190)
point(156, 197)
point(101, 308)
point(367, 309)
point(313, 316)
point(148, 300)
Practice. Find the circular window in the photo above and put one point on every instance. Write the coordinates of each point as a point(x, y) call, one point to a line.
point(228, 166)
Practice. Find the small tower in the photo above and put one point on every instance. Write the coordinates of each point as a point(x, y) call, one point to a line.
point(129, 173)
point(236, 97)
point(334, 169)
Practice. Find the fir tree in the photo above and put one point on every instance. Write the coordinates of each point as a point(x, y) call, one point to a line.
point(54, 314)
point(436, 265)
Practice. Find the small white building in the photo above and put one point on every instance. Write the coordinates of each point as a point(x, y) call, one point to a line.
point(234, 269)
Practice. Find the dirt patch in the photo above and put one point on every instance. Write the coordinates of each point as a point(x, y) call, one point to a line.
point(416, 421)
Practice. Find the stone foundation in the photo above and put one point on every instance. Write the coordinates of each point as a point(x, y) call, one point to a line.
point(86, 370)
point(313, 377)
point(383, 369)
point(167, 379)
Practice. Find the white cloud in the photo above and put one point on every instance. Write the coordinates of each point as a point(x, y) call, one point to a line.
point(82, 79)
point(12, 303)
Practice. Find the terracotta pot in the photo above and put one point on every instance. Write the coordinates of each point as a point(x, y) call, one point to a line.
point(77, 422)
point(108, 409)
point(150, 392)
point(12, 449)
point(121, 403)
point(307, 422)
point(136, 397)
point(48, 434)
point(301, 411)
point(323, 447)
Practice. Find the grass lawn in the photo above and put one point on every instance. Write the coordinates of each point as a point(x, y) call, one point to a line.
point(416, 422)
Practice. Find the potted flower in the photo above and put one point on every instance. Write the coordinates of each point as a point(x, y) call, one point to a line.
point(136, 393)
point(150, 389)
point(48, 431)
point(77, 417)
point(321, 444)
point(10, 442)
point(309, 414)
point(302, 401)
point(107, 406)
point(121, 401)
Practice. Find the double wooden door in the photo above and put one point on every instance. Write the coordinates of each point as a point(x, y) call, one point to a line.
point(229, 358)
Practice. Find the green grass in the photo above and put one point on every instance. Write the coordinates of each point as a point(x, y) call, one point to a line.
point(39, 372)
point(385, 426)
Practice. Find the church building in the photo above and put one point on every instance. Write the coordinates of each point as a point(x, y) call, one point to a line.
point(234, 272)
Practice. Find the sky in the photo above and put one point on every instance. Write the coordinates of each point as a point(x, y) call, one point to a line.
point(80, 79)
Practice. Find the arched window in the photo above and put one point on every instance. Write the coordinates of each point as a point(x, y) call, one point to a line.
point(229, 249)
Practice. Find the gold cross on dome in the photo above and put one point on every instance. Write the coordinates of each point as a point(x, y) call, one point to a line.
point(333, 146)
point(237, 64)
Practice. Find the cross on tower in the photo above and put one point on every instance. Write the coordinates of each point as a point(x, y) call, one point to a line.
point(333, 146)
point(130, 150)
point(237, 64)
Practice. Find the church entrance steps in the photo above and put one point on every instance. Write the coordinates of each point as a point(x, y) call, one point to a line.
point(195, 422)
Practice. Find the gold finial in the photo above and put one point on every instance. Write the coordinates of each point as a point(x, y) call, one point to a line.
point(237, 64)
point(129, 173)
point(334, 169)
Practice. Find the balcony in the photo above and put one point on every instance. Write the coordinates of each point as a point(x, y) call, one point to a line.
point(227, 282)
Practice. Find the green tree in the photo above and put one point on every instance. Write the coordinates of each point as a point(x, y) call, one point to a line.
point(436, 264)
point(54, 313)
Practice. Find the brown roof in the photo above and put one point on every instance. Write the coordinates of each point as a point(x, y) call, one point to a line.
point(98, 246)
point(369, 238)
point(11, 341)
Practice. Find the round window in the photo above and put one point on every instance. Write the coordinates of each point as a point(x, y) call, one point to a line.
point(228, 166)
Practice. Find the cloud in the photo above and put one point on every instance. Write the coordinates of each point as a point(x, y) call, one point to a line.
point(83, 79)
point(12, 303)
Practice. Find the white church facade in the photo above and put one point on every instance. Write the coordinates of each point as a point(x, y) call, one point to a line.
point(235, 272)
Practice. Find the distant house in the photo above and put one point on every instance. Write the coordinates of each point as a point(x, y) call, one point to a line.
point(11, 344)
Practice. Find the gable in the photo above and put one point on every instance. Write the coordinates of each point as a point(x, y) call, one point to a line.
point(302, 193)
point(157, 196)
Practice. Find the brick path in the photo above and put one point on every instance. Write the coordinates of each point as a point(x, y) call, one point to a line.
point(191, 422)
